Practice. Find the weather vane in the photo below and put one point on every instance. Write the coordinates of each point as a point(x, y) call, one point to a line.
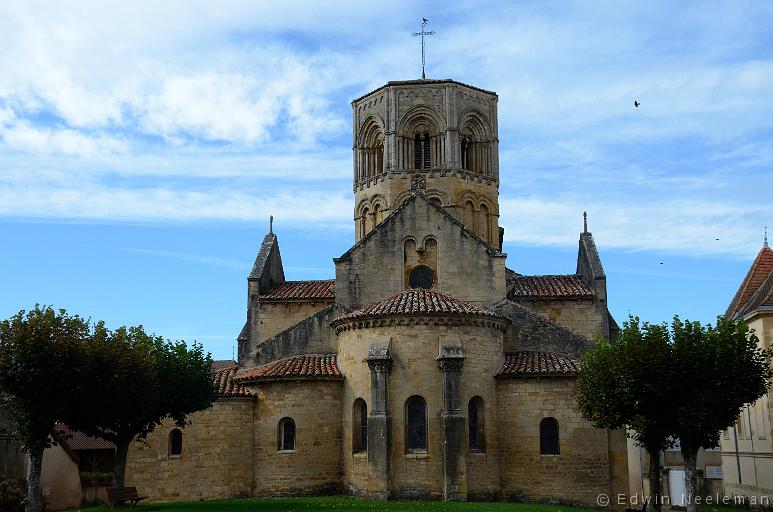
point(423, 33)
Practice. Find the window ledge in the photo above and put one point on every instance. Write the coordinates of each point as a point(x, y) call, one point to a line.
point(285, 451)
point(360, 455)
point(550, 455)
point(416, 455)
point(477, 452)
point(175, 456)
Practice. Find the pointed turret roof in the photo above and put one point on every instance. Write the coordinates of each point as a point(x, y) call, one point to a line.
point(755, 290)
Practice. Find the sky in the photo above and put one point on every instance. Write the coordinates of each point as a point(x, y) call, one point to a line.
point(143, 145)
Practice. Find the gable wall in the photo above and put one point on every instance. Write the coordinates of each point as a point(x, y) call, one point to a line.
point(375, 269)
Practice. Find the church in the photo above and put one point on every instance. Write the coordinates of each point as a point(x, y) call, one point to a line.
point(427, 369)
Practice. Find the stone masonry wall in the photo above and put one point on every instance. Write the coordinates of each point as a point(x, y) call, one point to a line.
point(414, 349)
point(580, 315)
point(275, 317)
point(216, 459)
point(465, 270)
point(314, 467)
point(579, 474)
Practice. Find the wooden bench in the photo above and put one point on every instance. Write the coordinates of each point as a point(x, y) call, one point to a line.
point(123, 495)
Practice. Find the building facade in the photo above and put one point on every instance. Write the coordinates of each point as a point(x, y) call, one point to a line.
point(426, 368)
point(747, 446)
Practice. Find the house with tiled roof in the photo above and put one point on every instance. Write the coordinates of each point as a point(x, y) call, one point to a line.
point(746, 447)
point(426, 368)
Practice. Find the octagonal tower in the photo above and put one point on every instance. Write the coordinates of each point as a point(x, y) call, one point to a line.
point(437, 135)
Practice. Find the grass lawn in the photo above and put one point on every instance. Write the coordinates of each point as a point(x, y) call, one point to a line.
point(337, 504)
point(345, 504)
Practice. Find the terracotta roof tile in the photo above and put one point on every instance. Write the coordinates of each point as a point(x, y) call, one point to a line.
point(762, 298)
point(226, 385)
point(222, 364)
point(419, 302)
point(301, 290)
point(77, 440)
point(323, 366)
point(761, 268)
point(537, 364)
point(549, 286)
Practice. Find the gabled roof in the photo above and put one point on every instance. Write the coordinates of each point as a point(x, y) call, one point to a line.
point(490, 249)
point(306, 366)
point(222, 364)
point(758, 273)
point(761, 300)
point(526, 363)
point(301, 290)
point(548, 287)
point(226, 385)
point(417, 302)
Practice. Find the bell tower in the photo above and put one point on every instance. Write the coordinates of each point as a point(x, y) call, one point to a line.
point(437, 135)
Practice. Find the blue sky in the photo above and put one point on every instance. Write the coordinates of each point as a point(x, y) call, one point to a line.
point(143, 145)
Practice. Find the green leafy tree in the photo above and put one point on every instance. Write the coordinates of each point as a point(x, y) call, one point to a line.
point(626, 384)
point(720, 369)
point(41, 380)
point(144, 380)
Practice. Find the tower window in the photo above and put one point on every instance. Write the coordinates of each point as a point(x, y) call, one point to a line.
point(175, 443)
point(360, 424)
point(415, 424)
point(286, 434)
point(548, 437)
point(421, 151)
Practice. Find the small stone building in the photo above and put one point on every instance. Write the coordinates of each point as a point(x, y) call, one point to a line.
point(426, 368)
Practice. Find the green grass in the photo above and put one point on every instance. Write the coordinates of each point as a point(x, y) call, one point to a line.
point(338, 504)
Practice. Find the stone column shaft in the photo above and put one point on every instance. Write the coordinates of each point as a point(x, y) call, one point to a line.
point(452, 429)
point(379, 428)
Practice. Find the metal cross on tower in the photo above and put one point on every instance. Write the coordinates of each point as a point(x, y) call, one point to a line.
point(423, 33)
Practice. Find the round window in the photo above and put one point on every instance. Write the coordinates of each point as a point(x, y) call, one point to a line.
point(421, 277)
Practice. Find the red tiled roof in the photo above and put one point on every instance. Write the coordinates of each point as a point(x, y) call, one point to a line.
point(551, 286)
point(222, 364)
point(320, 366)
point(758, 273)
point(226, 385)
point(77, 440)
point(301, 290)
point(537, 364)
point(418, 302)
point(762, 298)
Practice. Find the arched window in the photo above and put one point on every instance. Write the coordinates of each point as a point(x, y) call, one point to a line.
point(548, 437)
point(421, 151)
point(475, 424)
point(483, 222)
point(365, 222)
point(415, 424)
point(286, 434)
point(468, 216)
point(175, 443)
point(360, 426)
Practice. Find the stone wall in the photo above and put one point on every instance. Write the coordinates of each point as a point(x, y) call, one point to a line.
point(216, 459)
point(579, 474)
point(414, 349)
point(314, 467)
point(465, 269)
point(275, 317)
point(580, 315)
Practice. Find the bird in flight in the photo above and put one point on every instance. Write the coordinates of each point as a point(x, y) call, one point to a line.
point(636, 103)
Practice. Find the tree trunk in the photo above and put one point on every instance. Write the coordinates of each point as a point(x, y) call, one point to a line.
point(690, 457)
point(119, 471)
point(656, 489)
point(34, 503)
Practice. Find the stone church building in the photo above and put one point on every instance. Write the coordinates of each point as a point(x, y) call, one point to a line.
point(427, 368)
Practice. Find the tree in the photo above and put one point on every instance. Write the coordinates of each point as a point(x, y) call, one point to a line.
point(41, 352)
point(721, 370)
point(152, 379)
point(627, 385)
